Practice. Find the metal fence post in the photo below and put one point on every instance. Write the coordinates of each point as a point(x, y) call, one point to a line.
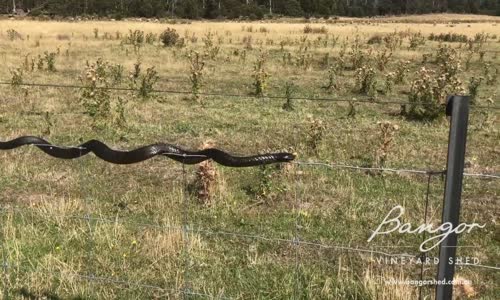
point(458, 108)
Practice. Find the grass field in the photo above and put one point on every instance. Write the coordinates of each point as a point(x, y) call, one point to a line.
point(66, 221)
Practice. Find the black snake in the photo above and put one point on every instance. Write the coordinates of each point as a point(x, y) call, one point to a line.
point(102, 151)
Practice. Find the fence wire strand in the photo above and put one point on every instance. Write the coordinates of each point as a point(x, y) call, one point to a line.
point(227, 95)
point(319, 164)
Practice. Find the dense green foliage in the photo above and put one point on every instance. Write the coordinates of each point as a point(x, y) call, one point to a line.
point(247, 8)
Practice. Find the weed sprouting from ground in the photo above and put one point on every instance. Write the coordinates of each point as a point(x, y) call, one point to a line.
point(260, 75)
point(315, 134)
point(382, 58)
point(332, 85)
point(401, 72)
point(169, 37)
point(288, 105)
point(473, 88)
point(17, 76)
point(146, 83)
point(48, 123)
point(387, 133)
point(206, 179)
point(390, 80)
point(14, 35)
point(50, 60)
point(197, 66)
point(95, 96)
point(366, 81)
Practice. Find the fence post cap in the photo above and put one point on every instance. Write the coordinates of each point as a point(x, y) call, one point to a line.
point(449, 102)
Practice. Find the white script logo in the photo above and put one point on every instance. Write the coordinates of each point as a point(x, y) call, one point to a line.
point(394, 224)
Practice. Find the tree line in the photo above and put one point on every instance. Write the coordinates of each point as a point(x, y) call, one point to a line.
point(254, 9)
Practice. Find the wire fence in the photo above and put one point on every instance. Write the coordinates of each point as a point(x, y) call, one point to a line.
point(366, 100)
point(188, 230)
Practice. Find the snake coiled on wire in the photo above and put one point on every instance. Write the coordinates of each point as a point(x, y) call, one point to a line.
point(176, 153)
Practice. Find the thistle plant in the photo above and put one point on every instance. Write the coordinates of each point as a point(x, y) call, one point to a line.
point(120, 117)
point(40, 63)
point(95, 96)
point(332, 80)
point(29, 64)
point(357, 55)
point(401, 71)
point(315, 134)
point(16, 77)
point(207, 179)
point(147, 82)
point(416, 39)
point(382, 58)
point(473, 88)
point(428, 92)
point(366, 81)
point(50, 60)
point(352, 108)
point(387, 133)
point(116, 73)
point(288, 105)
point(197, 65)
point(390, 79)
point(48, 123)
point(260, 75)
point(14, 35)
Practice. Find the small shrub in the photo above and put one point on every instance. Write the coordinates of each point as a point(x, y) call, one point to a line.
point(95, 96)
point(427, 96)
point(288, 106)
point(449, 37)
point(116, 73)
point(473, 88)
point(147, 82)
point(390, 79)
point(247, 41)
point(120, 117)
point(40, 63)
point(388, 131)
point(14, 35)
point(260, 75)
point(366, 81)
point(169, 37)
point(315, 134)
point(196, 75)
point(16, 77)
point(206, 179)
point(48, 123)
point(315, 30)
point(135, 38)
point(151, 38)
point(352, 108)
point(332, 82)
point(382, 58)
point(375, 39)
point(50, 59)
point(358, 57)
point(402, 70)
point(416, 39)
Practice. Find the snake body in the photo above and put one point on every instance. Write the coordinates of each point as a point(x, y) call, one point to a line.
point(176, 153)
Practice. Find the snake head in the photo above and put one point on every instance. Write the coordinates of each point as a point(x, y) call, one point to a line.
point(286, 157)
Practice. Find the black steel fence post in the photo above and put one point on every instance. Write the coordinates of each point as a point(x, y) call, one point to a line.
point(458, 108)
